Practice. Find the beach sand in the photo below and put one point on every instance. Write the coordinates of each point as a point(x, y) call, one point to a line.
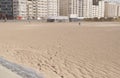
point(5, 73)
point(64, 50)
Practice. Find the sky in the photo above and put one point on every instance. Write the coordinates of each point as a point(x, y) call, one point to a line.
point(115, 0)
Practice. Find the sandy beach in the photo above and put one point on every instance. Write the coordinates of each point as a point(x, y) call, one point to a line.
point(63, 50)
point(5, 73)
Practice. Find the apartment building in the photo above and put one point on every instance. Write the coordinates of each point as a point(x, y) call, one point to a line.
point(87, 8)
point(30, 8)
point(6, 7)
point(118, 9)
point(111, 9)
point(64, 7)
point(69, 8)
point(98, 9)
point(53, 7)
point(76, 8)
point(82, 8)
point(20, 9)
point(42, 9)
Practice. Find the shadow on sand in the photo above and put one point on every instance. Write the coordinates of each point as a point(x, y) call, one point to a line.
point(22, 71)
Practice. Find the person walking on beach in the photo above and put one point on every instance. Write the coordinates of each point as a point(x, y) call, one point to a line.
point(4, 16)
point(79, 23)
point(5, 19)
point(29, 19)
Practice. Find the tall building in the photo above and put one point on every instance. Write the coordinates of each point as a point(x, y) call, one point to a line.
point(30, 12)
point(6, 7)
point(74, 8)
point(64, 7)
point(92, 8)
point(96, 2)
point(20, 9)
point(111, 9)
point(118, 9)
point(38, 9)
point(53, 7)
point(70, 8)
point(87, 8)
point(98, 9)
point(82, 8)
point(32, 9)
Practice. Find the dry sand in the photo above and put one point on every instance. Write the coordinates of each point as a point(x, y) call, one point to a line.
point(64, 50)
point(5, 73)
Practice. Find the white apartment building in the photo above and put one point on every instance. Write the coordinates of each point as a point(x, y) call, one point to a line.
point(111, 10)
point(98, 10)
point(42, 9)
point(74, 8)
point(20, 9)
point(53, 7)
point(30, 12)
point(95, 11)
point(82, 8)
point(118, 10)
point(101, 8)
point(38, 9)
point(87, 8)
point(70, 8)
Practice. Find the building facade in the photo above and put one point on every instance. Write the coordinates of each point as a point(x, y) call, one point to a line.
point(118, 10)
point(64, 7)
point(87, 8)
point(20, 9)
point(6, 8)
point(111, 10)
point(70, 8)
point(98, 9)
point(53, 7)
point(42, 9)
point(82, 8)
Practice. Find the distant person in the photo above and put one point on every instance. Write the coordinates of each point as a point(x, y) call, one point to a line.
point(5, 19)
point(0, 16)
point(79, 23)
point(29, 19)
point(4, 16)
